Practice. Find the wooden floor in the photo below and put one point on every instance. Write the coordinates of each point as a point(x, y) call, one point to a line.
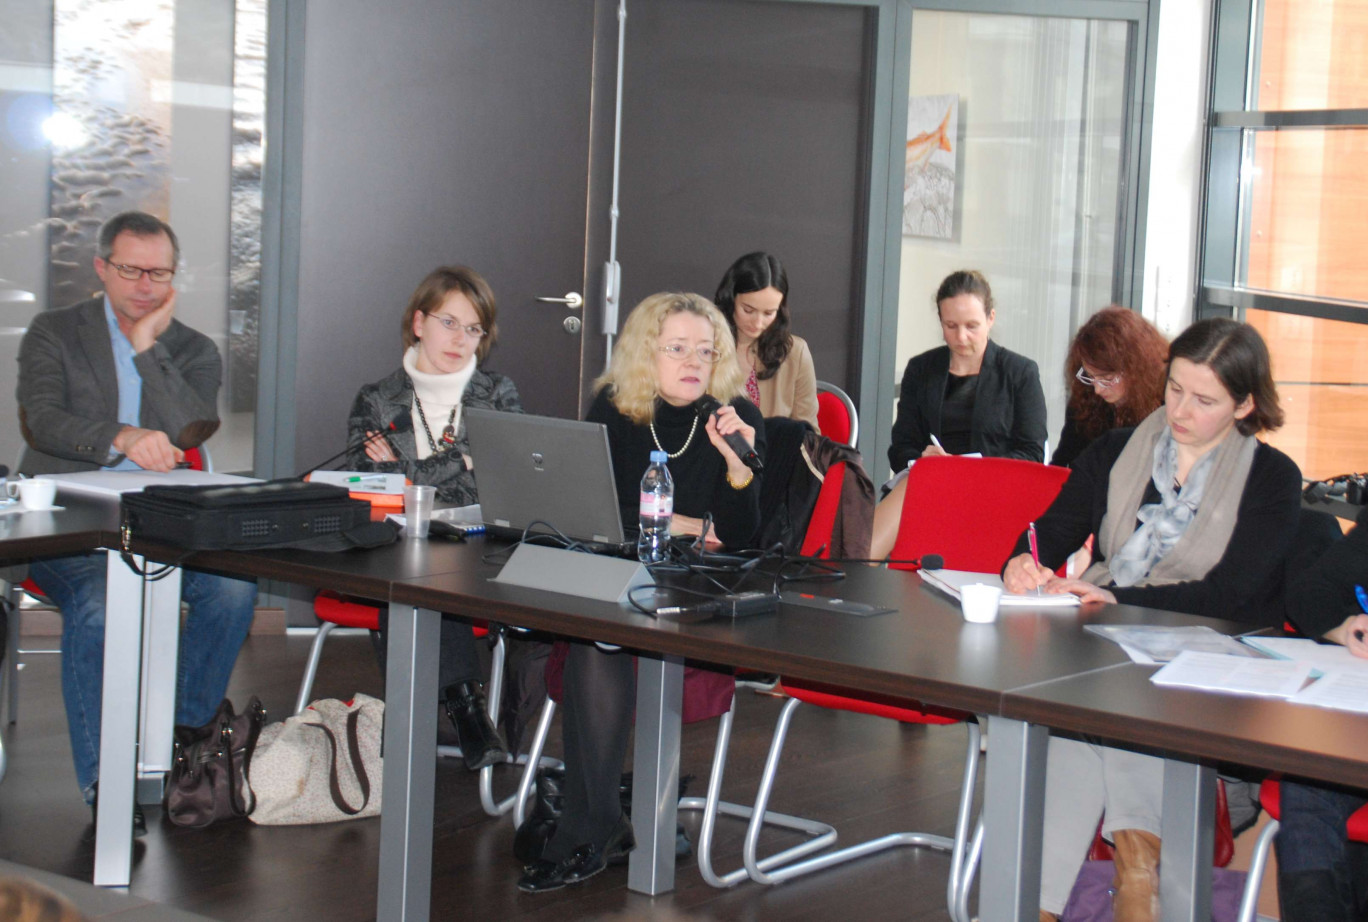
point(866, 776)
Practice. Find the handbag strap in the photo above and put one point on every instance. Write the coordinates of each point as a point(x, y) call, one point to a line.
point(256, 718)
point(358, 766)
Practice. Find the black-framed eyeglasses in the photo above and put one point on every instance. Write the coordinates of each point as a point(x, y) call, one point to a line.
point(1102, 381)
point(679, 352)
point(451, 325)
point(133, 273)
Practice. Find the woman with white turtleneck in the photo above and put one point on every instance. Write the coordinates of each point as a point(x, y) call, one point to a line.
point(411, 423)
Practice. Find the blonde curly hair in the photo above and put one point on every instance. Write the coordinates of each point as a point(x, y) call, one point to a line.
point(631, 376)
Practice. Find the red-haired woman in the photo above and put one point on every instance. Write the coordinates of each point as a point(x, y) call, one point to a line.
point(1115, 370)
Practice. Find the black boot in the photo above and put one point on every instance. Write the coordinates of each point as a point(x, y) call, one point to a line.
point(1314, 896)
point(529, 842)
point(481, 743)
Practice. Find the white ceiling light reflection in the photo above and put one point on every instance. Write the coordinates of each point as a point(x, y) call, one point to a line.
point(64, 132)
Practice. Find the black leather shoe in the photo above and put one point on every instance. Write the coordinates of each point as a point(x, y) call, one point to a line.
point(481, 743)
point(545, 876)
point(620, 842)
point(139, 819)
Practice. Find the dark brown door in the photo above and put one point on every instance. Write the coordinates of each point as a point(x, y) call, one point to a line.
point(439, 132)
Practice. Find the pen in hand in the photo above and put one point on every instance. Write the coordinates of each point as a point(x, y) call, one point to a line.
point(1035, 548)
point(1363, 606)
point(935, 441)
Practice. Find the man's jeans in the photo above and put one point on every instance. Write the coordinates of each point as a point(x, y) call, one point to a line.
point(1311, 835)
point(219, 619)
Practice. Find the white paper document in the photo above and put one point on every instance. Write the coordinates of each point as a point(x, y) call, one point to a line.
point(117, 483)
point(1153, 643)
point(1343, 691)
point(1239, 675)
point(1324, 658)
point(951, 581)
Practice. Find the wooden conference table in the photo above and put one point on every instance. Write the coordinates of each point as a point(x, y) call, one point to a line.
point(1033, 670)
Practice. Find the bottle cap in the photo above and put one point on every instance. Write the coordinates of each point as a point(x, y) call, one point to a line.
point(659, 457)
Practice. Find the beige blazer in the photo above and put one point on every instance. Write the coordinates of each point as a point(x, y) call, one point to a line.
point(792, 392)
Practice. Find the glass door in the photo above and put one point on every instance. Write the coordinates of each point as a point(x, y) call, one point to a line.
point(1016, 157)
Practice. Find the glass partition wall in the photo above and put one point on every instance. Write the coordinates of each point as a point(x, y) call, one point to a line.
point(1285, 212)
point(151, 104)
point(1025, 179)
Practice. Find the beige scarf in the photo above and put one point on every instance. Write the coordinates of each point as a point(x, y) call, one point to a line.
point(1205, 540)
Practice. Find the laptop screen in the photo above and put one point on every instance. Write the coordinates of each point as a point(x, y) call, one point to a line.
point(543, 469)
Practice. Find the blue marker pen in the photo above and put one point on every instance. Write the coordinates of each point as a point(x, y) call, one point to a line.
point(1363, 606)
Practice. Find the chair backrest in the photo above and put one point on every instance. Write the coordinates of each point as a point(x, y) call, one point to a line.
point(823, 521)
point(971, 511)
point(836, 414)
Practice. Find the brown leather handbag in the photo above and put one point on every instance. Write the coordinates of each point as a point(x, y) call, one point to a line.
point(209, 765)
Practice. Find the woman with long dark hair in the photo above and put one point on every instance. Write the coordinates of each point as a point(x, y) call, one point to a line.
point(779, 375)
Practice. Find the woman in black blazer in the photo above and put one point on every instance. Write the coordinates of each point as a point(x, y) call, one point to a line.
point(970, 395)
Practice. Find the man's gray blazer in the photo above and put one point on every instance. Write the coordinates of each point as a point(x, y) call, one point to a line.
point(69, 389)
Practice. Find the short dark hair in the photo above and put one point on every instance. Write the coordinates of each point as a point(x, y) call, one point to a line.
point(1238, 356)
point(139, 224)
point(756, 272)
point(433, 290)
point(965, 282)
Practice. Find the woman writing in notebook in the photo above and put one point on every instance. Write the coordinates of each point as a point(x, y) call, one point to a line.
point(1192, 513)
point(969, 395)
point(778, 370)
point(674, 350)
point(1115, 373)
point(410, 423)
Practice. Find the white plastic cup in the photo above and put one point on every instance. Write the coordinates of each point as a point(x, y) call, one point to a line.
point(418, 502)
point(33, 494)
point(979, 602)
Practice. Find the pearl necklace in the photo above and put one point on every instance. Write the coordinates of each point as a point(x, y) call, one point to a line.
point(692, 429)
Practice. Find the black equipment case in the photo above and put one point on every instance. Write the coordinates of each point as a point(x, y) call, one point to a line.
point(276, 513)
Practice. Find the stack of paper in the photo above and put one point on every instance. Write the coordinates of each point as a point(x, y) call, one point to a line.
point(951, 581)
point(1238, 675)
point(117, 483)
point(1153, 643)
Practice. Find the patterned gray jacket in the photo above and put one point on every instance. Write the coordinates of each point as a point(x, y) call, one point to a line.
point(389, 400)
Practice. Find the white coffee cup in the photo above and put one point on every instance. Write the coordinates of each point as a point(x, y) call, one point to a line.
point(32, 494)
point(979, 602)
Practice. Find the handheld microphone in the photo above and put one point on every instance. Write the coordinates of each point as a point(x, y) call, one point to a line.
point(400, 423)
point(708, 405)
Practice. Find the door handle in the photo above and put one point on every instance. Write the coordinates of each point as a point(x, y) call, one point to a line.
point(571, 300)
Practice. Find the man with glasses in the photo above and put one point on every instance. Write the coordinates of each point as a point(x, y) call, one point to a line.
point(117, 383)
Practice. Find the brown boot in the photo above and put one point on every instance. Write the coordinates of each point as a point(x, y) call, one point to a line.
point(1136, 897)
point(1048, 916)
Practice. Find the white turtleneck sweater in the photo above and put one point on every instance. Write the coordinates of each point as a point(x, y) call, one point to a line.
point(440, 395)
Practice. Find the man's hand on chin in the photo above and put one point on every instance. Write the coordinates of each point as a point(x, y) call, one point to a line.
point(150, 449)
point(153, 324)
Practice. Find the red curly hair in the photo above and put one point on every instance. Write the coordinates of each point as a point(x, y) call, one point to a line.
point(1116, 341)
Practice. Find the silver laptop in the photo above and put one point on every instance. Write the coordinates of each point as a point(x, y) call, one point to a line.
point(542, 469)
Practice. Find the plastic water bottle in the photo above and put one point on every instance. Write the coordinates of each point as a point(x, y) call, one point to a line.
point(657, 508)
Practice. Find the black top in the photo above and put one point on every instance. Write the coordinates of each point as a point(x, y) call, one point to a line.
point(957, 413)
point(1009, 407)
point(1323, 596)
point(1072, 441)
point(1245, 585)
point(700, 483)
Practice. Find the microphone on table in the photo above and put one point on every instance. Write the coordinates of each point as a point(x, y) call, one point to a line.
point(708, 405)
point(401, 423)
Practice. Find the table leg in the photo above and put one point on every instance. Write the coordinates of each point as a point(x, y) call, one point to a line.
point(1188, 841)
point(1013, 818)
point(160, 654)
point(655, 774)
point(118, 723)
point(410, 764)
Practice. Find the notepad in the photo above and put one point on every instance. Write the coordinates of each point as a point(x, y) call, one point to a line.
point(1324, 658)
point(1239, 675)
point(951, 581)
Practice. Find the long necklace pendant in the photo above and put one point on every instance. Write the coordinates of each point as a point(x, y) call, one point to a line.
point(449, 435)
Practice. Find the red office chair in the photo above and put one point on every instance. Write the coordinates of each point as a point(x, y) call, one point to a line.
point(970, 511)
point(836, 415)
point(199, 460)
point(335, 611)
point(1270, 796)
